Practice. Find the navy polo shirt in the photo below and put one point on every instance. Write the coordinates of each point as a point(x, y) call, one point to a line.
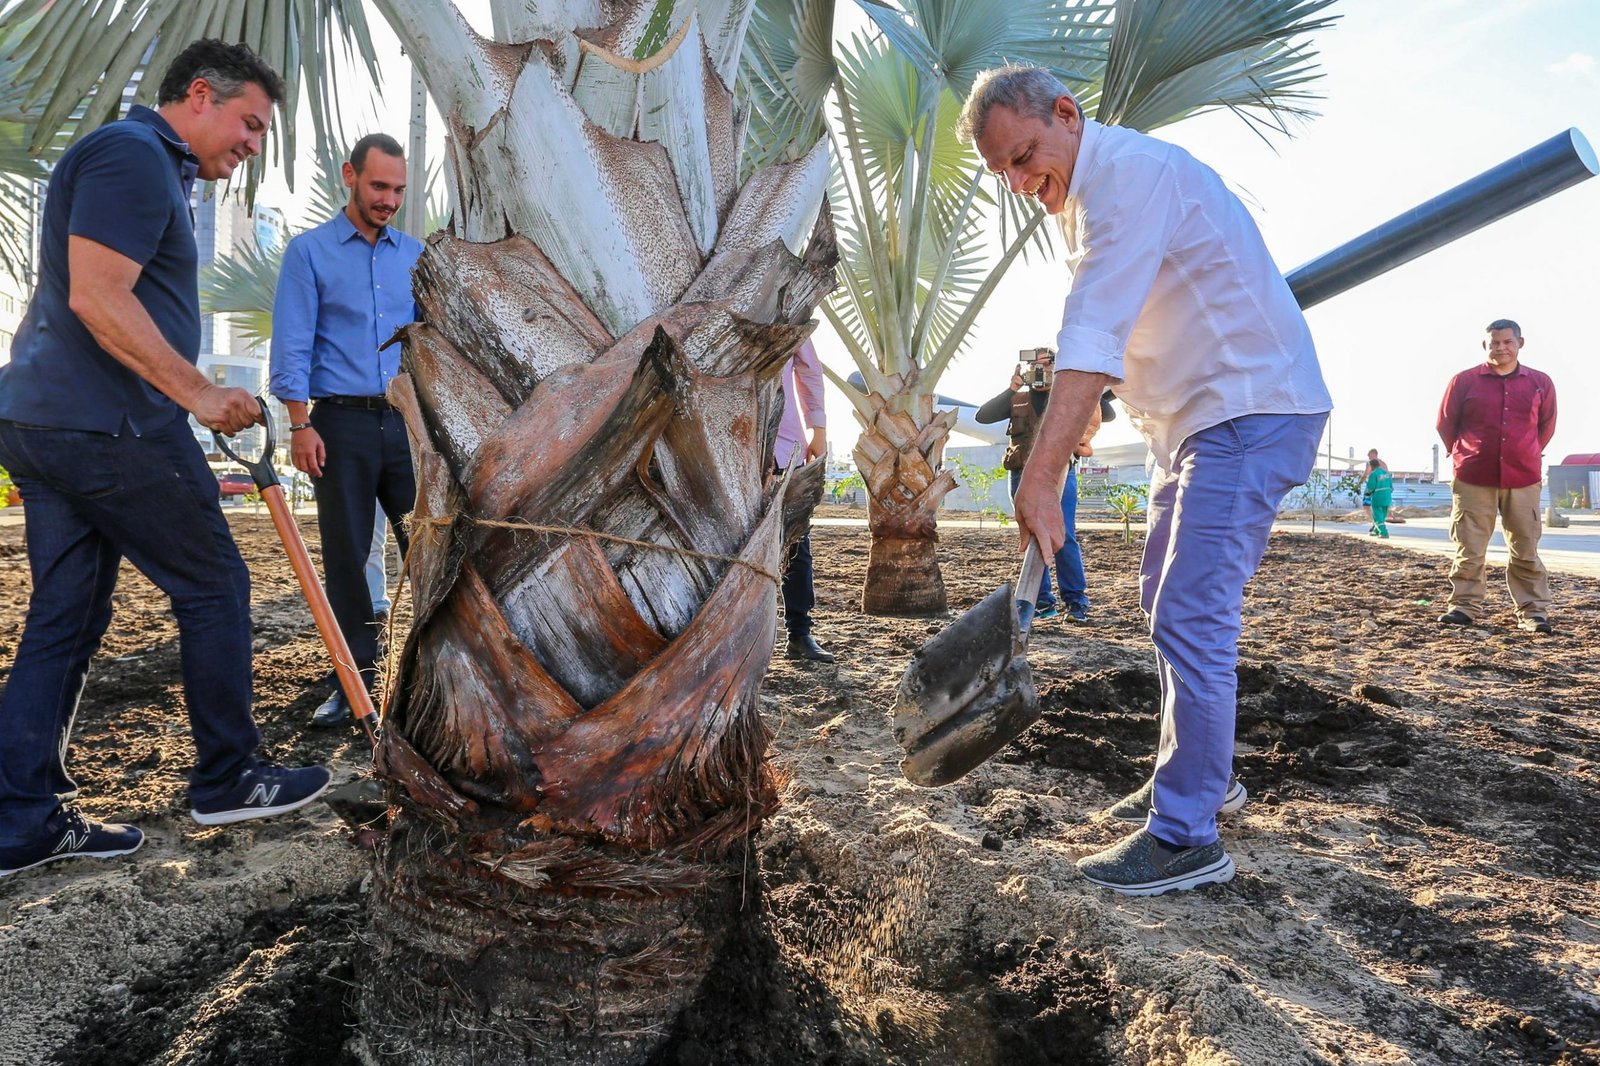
point(126, 186)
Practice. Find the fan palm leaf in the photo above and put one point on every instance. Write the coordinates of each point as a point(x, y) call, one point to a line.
point(243, 285)
point(1169, 59)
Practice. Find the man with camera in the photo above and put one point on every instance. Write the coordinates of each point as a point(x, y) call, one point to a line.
point(1024, 404)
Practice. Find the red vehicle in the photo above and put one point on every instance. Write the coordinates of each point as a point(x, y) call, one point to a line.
point(235, 485)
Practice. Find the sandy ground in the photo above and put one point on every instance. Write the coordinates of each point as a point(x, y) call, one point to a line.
point(1417, 867)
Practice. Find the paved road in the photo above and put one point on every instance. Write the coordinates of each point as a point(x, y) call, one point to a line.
point(1574, 550)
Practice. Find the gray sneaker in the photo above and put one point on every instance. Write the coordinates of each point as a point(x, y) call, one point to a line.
point(1141, 865)
point(1135, 807)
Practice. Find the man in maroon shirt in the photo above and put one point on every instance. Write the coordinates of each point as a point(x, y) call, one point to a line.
point(1496, 419)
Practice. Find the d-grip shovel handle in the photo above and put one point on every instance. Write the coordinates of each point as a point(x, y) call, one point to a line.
point(261, 471)
point(1026, 592)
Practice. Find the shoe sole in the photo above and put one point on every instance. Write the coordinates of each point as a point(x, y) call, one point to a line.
point(74, 855)
point(250, 813)
point(1218, 873)
point(1232, 803)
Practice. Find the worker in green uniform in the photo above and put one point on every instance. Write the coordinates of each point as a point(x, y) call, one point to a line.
point(1380, 487)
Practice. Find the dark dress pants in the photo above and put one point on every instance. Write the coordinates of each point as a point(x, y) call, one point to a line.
point(799, 592)
point(368, 465)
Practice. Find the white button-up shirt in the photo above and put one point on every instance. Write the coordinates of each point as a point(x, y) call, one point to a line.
point(1175, 295)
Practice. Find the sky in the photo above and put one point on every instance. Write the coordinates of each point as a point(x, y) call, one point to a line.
point(1417, 97)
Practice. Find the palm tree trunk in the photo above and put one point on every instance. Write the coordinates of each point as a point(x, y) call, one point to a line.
point(900, 455)
point(572, 748)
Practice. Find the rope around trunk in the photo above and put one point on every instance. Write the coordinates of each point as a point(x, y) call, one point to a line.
point(594, 534)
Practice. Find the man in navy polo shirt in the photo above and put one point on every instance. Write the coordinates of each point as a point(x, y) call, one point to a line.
point(344, 288)
point(92, 430)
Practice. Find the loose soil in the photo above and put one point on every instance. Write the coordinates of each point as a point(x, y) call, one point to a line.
point(1417, 878)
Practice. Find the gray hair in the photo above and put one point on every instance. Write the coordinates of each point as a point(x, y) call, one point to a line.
point(1503, 323)
point(1029, 91)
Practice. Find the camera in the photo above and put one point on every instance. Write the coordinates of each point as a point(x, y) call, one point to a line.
point(1033, 376)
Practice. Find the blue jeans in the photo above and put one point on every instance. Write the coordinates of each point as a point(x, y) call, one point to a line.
point(1209, 520)
point(1069, 560)
point(91, 499)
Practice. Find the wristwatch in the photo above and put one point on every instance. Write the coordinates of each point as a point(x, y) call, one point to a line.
point(296, 427)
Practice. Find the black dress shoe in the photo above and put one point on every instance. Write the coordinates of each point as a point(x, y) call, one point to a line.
point(335, 710)
point(1456, 617)
point(805, 646)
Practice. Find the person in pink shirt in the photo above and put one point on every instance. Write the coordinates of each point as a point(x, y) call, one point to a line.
point(802, 408)
point(1497, 419)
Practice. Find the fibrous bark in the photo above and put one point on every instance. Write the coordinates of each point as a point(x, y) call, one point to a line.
point(900, 455)
point(572, 748)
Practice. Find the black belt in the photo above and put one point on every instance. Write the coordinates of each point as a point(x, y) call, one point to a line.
point(367, 403)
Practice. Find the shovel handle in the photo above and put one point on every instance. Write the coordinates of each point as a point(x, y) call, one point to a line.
point(1027, 587)
point(265, 476)
point(321, 611)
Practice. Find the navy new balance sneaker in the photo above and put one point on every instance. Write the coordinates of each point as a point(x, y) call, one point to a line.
point(263, 791)
point(71, 836)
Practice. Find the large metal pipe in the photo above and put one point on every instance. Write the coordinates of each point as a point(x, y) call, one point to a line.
point(1541, 171)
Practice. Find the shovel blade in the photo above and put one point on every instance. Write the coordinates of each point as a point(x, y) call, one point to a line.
point(966, 694)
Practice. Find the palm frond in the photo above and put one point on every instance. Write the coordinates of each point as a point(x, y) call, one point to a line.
point(787, 71)
point(328, 194)
point(18, 203)
point(1170, 59)
point(243, 285)
point(78, 59)
point(910, 196)
point(1067, 37)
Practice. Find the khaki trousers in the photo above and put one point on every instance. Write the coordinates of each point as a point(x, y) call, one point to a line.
point(1472, 513)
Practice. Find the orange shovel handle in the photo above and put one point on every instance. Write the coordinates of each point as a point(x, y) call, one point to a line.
point(321, 611)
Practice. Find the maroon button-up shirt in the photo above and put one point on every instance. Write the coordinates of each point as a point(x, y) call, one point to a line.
point(1496, 427)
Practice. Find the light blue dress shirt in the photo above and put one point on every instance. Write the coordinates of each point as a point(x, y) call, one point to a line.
point(338, 299)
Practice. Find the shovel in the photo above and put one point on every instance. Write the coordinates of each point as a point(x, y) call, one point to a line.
point(266, 479)
point(969, 691)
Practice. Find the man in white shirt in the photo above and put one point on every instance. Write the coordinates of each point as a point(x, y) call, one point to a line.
point(1176, 302)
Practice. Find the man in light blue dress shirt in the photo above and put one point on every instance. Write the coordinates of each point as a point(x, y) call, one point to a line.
point(345, 287)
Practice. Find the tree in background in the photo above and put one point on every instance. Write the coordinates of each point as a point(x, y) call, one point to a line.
point(910, 204)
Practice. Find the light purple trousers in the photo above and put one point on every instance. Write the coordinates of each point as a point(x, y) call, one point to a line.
point(1209, 519)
